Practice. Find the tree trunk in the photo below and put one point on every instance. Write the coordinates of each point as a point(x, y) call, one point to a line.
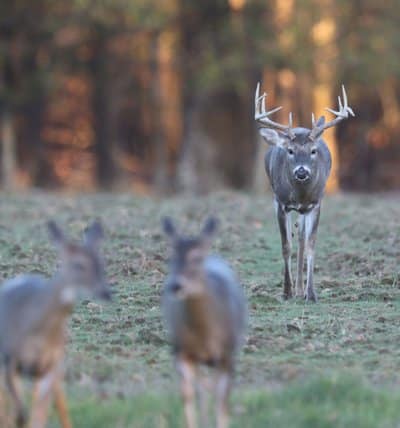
point(169, 109)
point(260, 180)
point(103, 145)
point(390, 104)
point(325, 55)
point(8, 153)
point(160, 169)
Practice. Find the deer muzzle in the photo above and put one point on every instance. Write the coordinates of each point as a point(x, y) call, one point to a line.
point(302, 173)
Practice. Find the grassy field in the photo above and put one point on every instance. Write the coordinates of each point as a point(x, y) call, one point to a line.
point(333, 364)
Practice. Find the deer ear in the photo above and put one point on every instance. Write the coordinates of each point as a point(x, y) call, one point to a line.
point(56, 234)
point(93, 234)
point(209, 229)
point(168, 227)
point(271, 136)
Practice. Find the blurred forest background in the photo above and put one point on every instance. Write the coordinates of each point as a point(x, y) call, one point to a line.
point(150, 95)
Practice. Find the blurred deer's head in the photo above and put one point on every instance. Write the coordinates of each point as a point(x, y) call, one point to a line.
point(186, 276)
point(81, 266)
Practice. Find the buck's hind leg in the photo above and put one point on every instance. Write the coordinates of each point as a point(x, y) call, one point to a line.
point(311, 227)
point(300, 257)
point(285, 228)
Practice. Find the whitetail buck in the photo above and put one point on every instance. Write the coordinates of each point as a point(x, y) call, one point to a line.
point(205, 312)
point(33, 314)
point(298, 165)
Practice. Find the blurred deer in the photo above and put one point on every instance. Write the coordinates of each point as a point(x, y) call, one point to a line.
point(33, 314)
point(205, 312)
point(298, 165)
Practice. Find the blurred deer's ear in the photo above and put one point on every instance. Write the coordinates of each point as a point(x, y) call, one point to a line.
point(168, 227)
point(56, 234)
point(210, 227)
point(272, 137)
point(93, 234)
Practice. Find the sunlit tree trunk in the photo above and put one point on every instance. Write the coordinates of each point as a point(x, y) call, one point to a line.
point(325, 55)
point(168, 109)
point(390, 104)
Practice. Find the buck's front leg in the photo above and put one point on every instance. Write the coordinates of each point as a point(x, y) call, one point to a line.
point(284, 222)
point(300, 257)
point(311, 227)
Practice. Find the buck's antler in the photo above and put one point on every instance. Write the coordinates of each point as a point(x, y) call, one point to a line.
point(262, 116)
point(343, 113)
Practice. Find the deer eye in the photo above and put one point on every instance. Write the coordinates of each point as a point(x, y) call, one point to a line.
point(314, 151)
point(291, 152)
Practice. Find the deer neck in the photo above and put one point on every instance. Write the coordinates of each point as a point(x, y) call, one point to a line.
point(64, 294)
point(198, 310)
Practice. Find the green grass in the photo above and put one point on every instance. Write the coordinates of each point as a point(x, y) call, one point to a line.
point(323, 403)
point(335, 364)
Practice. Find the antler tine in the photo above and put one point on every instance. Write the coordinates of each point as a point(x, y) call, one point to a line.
point(350, 110)
point(256, 99)
point(261, 114)
point(343, 113)
point(344, 96)
point(340, 103)
point(312, 119)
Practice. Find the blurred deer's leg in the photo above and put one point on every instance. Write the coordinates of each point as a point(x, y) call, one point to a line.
point(204, 394)
point(285, 227)
point(300, 257)
point(41, 400)
point(311, 223)
point(222, 392)
point(187, 371)
point(14, 388)
point(61, 404)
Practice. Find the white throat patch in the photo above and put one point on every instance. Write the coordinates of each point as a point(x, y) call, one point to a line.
point(68, 295)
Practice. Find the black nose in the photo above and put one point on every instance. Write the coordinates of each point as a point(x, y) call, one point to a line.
point(175, 286)
point(301, 173)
